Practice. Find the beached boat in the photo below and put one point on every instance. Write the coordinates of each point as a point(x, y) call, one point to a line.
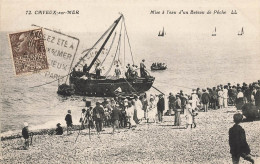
point(91, 83)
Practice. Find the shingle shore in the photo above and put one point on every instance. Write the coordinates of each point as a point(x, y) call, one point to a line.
point(147, 143)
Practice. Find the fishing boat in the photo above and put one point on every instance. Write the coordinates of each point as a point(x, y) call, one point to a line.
point(158, 66)
point(162, 33)
point(95, 79)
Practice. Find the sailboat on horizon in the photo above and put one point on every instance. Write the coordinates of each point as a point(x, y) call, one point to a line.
point(214, 32)
point(242, 32)
point(162, 34)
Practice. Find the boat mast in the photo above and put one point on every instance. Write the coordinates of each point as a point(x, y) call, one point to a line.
point(103, 45)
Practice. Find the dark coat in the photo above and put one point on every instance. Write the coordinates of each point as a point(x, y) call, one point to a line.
point(115, 114)
point(68, 119)
point(248, 94)
point(98, 113)
point(25, 133)
point(160, 104)
point(237, 141)
point(205, 98)
point(59, 131)
point(178, 104)
point(257, 98)
point(214, 95)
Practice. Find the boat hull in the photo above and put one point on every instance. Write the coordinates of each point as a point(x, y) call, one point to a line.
point(109, 87)
point(157, 69)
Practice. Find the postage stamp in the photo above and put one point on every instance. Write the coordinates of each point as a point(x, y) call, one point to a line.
point(28, 52)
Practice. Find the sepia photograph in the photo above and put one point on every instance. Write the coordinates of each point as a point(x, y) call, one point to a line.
point(113, 81)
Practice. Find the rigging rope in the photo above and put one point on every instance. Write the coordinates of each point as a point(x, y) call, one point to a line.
point(80, 59)
point(120, 42)
point(128, 40)
point(129, 84)
point(124, 49)
point(95, 44)
point(109, 49)
point(118, 47)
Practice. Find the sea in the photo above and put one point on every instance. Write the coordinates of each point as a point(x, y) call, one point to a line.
point(193, 60)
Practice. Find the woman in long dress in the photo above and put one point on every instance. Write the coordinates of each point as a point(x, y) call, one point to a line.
point(152, 110)
point(139, 109)
point(188, 114)
point(240, 99)
point(194, 100)
point(220, 98)
point(129, 108)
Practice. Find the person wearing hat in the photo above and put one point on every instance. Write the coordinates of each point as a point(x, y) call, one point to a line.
point(59, 130)
point(68, 120)
point(214, 98)
point(194, 99)
point(98, 114)
point(171, 103)
point(188, 114)
point(129, 71)
point(225, 96)
point(117, 71)
point(152, 110)
point(25, 134)
point(237, 141)
point(115, 115)
point(160, 107)
point(257, 96)
point(142, 69)
point(82, 119)
point(220, 98)
point(177, 119)
point(205, 100)
point(139, 109)
point(239, 99)
point(247, 93)
point(129, 108)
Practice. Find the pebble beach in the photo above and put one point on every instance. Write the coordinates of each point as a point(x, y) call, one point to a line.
point(146, 143)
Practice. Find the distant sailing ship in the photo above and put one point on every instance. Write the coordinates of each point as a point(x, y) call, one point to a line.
point(214, 32)
point(242, 32)
point(162, 34)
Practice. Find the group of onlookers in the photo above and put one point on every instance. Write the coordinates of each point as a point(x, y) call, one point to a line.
point(124, 111)
point(218, 97)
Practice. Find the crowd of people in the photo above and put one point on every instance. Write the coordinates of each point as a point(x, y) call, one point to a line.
point(128, 112)
point(219, 97)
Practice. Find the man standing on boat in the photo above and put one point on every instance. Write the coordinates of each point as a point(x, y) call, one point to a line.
point(117, 71)
point(85, 70)
point(98, 71)
point(142, 69)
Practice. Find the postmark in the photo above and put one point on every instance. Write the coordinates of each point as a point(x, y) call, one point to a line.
point(28, 52)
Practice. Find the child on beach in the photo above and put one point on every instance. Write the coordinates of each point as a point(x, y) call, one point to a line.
point(68, 120)
point(25, 133)
point(59, 130)
point(237, 141)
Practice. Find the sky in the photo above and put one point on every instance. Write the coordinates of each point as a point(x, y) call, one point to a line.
point(95, 16)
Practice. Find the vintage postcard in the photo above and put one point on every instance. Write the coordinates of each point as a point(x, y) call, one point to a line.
point(121, 81)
